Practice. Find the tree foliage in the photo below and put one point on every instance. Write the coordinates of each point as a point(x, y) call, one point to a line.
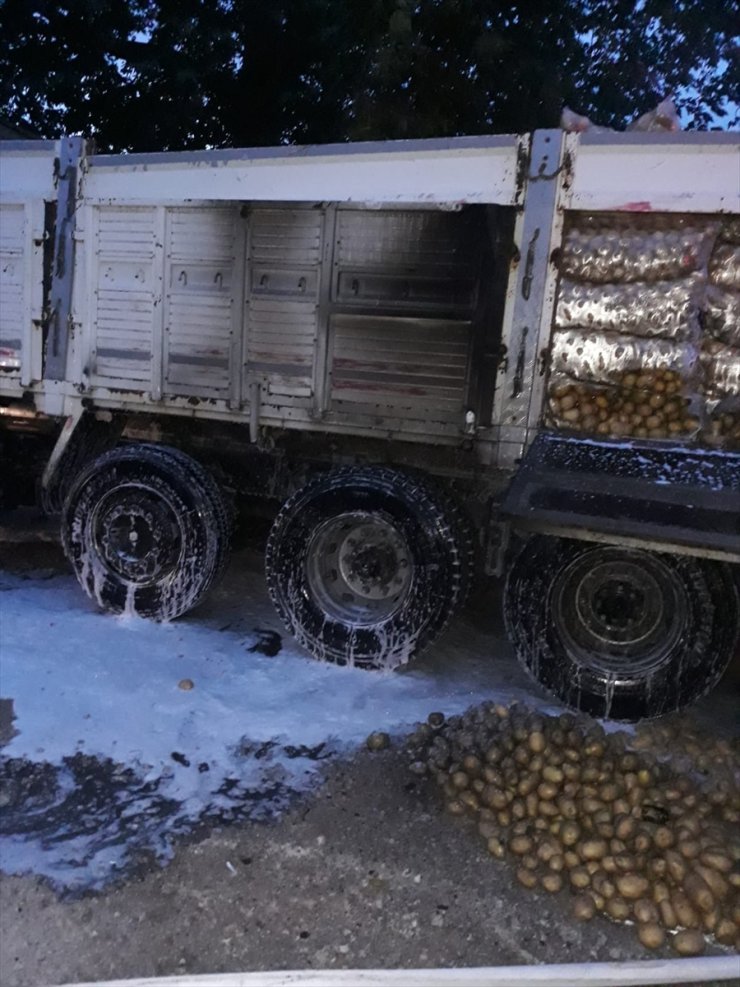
point(157, 74)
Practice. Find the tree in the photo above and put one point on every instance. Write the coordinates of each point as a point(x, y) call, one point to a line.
point(158, 74)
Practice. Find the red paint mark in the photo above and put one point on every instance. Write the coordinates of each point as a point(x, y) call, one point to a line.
point(637, 207)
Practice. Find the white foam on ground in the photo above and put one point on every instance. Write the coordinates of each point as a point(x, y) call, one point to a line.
point(83, 681)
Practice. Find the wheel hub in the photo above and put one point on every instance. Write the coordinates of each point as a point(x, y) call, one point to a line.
point(137, 535)
point(359, 567)
point(619, 611)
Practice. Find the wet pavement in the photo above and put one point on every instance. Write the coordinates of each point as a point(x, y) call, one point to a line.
point(122, 736)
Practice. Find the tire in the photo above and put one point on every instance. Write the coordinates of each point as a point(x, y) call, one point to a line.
point(146, 530)
point(366, 565)
point(620, 633)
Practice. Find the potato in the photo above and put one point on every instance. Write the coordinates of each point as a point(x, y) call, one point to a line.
point(684, 911)
point(667, 914)
point(725, 932)
point(584, 908)
point(580, 877)
point(632, 886)
point(494, 754)
point(536, 741)
point(651, 935)
point(526, 785)
point(487, 829)
point(625, 827)
point(455, 807)
point(570, 833)
point(609, 864)
point(688, 942)
point(676, 866)
point(527, 877)
point(643, 841)
point(689, 848)
point(470, 800)
point(618, 909)
point(646, 911)
point(472, 765)
point(547, 790)
point(492, 776)
point(518, 809)
point(663, 837)
point(531, 804)
point(571, 859)
point(459, 780)
point(699, 892)
point(593, 849)
point(556, 863)
point(520, 845)
point(553, 774)
point(567, 807)
point(660, 892)
point(658, 867)
point(552, 882)
point(496, 847)
point(717, 860)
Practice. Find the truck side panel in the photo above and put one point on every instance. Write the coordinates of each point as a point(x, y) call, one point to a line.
point(26, 185)
point(306, 315)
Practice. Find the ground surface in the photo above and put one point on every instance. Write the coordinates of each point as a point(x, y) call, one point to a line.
point(239, 824)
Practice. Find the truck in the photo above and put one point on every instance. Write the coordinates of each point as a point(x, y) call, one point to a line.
point(433, 364)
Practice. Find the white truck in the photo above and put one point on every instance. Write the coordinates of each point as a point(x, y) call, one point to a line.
point(433, 360)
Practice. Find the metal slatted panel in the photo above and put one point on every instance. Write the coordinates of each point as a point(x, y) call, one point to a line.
point(199, 299)
point(407, 240)
point(12, 291)
point(419, 271)
point(401, 367)
point(285, 250)
point(123, 295)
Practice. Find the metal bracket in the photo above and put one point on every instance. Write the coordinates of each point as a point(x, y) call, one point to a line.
point(71, 152)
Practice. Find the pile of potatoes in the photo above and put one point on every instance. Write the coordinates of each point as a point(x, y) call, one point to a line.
point(641, 404)
point(577, 809)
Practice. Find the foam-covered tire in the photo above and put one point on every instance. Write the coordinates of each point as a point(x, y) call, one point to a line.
point(147, 531)
point(365, 565)
point(621, 633)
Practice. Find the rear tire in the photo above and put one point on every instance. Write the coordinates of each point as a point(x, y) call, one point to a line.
point(366, 565)
point(621, 633)
point(146, 530)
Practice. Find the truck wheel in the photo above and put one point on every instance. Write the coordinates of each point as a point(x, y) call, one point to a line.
point(621, 633)
point(366, 565)
point(146, 530)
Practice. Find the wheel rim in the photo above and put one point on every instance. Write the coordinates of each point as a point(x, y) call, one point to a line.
point(359, 568)
point(136, 534)
point(619, 612)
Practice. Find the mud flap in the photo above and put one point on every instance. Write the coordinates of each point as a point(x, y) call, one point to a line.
point(660, 497)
